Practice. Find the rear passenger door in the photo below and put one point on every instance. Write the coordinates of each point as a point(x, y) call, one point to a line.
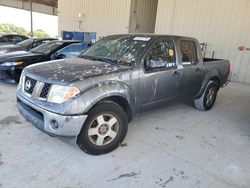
point(192, 73)
point(160, 80)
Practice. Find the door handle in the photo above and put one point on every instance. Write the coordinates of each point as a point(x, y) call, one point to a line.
point(176, 73)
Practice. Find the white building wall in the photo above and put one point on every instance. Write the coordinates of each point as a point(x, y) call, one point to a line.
point(223, 24)
point(142, 16)
point(105, 17)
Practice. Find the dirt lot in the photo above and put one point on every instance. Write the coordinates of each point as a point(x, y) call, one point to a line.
point(176, 146)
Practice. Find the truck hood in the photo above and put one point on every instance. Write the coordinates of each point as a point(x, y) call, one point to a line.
point(66, 71)
point(18, 55)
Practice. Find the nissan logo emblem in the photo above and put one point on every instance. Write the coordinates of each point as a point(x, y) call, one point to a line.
point(27, 85)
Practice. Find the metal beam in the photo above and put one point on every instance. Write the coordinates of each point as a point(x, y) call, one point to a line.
point(31, 19)
point(41, 6)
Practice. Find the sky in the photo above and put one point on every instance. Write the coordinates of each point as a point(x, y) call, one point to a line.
point(21, 18)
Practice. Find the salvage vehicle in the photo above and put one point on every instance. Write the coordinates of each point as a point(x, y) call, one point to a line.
point(6, 39)
point(13, 63)
point(25, 45)
point(93, 97)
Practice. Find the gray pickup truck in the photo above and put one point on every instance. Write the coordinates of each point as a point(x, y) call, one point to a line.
point(93, 97)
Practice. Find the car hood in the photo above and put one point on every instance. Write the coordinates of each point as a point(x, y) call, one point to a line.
point(6, 47)
point(66, 71)
point(17, 55)
point(10, 48)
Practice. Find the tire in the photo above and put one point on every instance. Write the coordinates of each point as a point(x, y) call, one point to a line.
point(208, 97)
point(104, 129)
point(16, 75)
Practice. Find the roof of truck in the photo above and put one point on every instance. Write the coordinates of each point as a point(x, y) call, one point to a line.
point(152, 35)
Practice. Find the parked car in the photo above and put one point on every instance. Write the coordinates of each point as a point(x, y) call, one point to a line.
point(95, 96)
point(13, 63)
point(6, 39)
point(25, 45)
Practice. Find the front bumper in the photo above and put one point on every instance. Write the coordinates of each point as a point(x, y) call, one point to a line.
point(51, 123)
point(7, 73)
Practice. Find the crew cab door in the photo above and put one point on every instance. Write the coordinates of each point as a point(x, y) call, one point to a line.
point(193, 69)
point(160, 78)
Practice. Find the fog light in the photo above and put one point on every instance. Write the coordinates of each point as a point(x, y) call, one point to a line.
point(54, 124)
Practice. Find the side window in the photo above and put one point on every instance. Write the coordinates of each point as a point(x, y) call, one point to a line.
point(18, 39)
point(23, 38)
point(37, 43)
point(189, 53)
point(162, 55)
point(5, 39)
point(11, 38)
point(70, 51)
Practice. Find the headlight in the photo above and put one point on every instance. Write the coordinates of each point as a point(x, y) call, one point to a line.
point(8, 64)
point(59, 94)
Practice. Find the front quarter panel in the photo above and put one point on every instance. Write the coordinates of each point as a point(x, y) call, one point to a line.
point(98, 92)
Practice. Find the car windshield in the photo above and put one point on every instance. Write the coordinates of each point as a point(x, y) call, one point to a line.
point(46, 48)
point(26, 43)
point(119, 50)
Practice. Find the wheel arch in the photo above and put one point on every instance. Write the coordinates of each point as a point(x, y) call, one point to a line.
point(121, 101)
point(211, 76)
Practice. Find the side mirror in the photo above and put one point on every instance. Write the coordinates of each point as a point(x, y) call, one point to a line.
point(59, 56)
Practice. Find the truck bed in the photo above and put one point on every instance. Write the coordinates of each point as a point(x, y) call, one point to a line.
point(220, 65)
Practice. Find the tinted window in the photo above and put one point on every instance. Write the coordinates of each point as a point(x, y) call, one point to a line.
point(72, 50)
point(162, 55)
point(189, 53)
point(26, 43)
point(6, 39)
point(23, 37)
point(17, 39)
point(47, 48)
point(37, 43)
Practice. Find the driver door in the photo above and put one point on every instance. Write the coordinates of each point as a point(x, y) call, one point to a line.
point(160, 79)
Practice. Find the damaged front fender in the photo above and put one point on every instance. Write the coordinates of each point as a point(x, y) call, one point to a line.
point(98, 92)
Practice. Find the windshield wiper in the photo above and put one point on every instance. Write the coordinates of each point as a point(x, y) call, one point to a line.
point(110, 61)
point(35, 52)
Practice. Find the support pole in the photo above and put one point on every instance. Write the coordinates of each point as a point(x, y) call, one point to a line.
point(31, 19)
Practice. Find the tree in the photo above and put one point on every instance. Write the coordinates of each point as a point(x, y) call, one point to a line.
point(10, 28)
point(40, 33)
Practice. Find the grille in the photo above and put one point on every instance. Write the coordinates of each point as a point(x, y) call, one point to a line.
point(45, 91)
point(29, 85)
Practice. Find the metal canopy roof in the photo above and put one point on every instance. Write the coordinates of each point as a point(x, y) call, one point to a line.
point(51, 3)
point(42, 6)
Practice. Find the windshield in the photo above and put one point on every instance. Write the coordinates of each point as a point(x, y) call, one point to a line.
point(26, 43)
point(46, 48)
point(120, 50)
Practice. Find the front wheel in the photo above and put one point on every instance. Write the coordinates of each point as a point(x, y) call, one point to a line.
point(104, 129)
point(207, 99)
